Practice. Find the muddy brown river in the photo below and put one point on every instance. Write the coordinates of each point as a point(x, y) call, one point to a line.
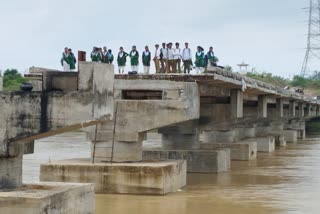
point(287, 181)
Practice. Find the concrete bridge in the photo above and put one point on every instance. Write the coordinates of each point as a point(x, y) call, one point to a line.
point(203, 122)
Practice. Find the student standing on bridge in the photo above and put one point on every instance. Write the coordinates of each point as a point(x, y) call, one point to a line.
point(164, 58)
point(211, 59)
point(122, 60)
point(71, 59)
point(109, 57)
point(64, 60)
point(157, 58)
point(177, 58)
point(96, 55)
point(186, 58)
point(171, 61)
point(146, 59)
point(200, 61)
point(134, 55)
point(104, 55)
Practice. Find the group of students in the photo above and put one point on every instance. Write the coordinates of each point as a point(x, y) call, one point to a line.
point(68, 60)
point(166, 59)
point(102, 55)
point(106, 56)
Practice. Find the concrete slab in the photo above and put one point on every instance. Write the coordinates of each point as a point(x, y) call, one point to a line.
point(198, 161)
point(264, 144)
point(147, 178)
point(291, 136)
point(243, 151)
point(45, 198)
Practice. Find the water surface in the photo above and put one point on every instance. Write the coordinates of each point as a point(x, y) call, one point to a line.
point(286, 181)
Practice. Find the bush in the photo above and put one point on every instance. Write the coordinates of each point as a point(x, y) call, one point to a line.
point(268, 78)
point(12, 80)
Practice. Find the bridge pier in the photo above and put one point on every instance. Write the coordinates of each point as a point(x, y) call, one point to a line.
point(181, 141)
point(184, 136)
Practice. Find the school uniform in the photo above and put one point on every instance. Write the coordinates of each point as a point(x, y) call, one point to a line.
point(177, 59)
point(109, 58)
point(96, 57)
point(72, 61)
point(122, 60)
point(64, 62)
point(134, 55)
point(146, 59)
point(187, 60)
point(200, 62)
point(157, 59)
point(164, 59)
point(171, 61)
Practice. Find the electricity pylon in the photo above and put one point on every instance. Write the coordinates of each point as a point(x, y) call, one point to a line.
point(313, 45)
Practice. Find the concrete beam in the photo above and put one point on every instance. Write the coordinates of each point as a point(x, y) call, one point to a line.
point(236, 104)
point(262, 106)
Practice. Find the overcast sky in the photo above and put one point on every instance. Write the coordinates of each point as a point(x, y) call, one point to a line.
point(269, 35)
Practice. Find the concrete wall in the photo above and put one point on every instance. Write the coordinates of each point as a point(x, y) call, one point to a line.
point(157, 178)
point(20, 117)
point(47, 198)
point(25, 114)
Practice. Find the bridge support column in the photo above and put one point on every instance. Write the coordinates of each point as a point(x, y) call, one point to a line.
point(10, 172)
point(262, 106)
point(294, 131)
point(181, 141)
point(236, 104)
point(308, 111)
point(281, 140)
point(279, 107)
point(240, 150)
point(301, 109)
point(291, 136)
point(184, 136)
point(292, 108)
point(11, 167)
point(105, 147)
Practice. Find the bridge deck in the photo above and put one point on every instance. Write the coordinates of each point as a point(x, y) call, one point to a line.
point(226, 80)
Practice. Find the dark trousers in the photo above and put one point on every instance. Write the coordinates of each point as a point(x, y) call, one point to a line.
point(187, 66)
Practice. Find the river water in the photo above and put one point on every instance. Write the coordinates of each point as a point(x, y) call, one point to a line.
point(287, 181)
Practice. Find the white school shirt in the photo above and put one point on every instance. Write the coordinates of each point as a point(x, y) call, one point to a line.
point(170, 54)
point(177, 53)
point(186, 54)
point(157, 53)
point(164, 53)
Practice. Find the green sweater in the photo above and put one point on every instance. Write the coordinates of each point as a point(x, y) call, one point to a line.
point(96, 57)
point(122, 60)
point(200, 62)
point(134, 58)
point(146, 58)
point(71, 60)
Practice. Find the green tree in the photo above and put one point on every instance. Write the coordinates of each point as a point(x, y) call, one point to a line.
point(12, 80)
